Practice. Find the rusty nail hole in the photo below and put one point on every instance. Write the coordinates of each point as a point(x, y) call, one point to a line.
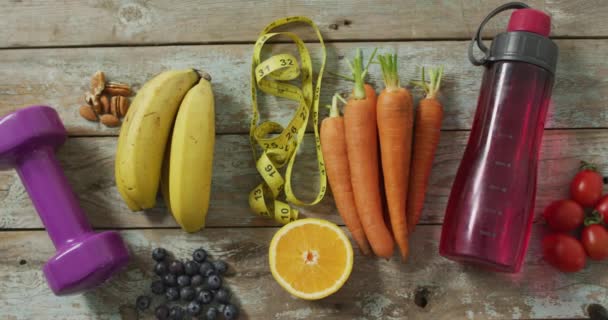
point(597, 312)
point(333, 26)
point(22, 262)
point(347, 22)
point(421, 297)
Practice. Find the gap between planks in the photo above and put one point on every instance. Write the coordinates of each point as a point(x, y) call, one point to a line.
point(252, 42)
point(309, 131)
point(178, 228)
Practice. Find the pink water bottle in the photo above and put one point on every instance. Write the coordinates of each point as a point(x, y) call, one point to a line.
point(489, 214)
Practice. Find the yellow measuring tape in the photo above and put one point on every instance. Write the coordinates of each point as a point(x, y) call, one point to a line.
point(270, 77)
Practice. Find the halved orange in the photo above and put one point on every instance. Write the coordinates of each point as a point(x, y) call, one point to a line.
point(311, 258)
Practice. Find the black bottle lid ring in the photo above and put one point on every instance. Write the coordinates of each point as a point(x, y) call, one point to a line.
point(477, 37)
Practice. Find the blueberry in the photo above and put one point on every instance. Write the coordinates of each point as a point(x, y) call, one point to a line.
point(162, 312)
point(198, 290)
point(199, 255)
point(222, 295)
point(191, 267)
point(211, 313)
point(161, 268)
point(205, 268)
point(183, 280)
point(170, 280)
point(159, 254)
point(158, 287)
point(172, 294)
point(176, 313)
point(204, 297)
point(143, 302)
point(196, 280)
point(194, 308)
point(214, 281)
point(187, 293)
point(176, 267)
point(231, 312)
point(220, 267)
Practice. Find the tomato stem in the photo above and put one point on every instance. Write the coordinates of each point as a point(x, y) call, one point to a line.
point(587, 166)
point(595, 217)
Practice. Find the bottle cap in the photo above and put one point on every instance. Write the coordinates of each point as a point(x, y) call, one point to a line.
point(530, 20)
point(526, 39)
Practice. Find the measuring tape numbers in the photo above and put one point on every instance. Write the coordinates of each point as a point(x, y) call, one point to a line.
point(279, 144)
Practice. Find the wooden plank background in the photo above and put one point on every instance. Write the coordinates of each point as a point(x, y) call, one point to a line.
point(108, 22)
point(49, 49)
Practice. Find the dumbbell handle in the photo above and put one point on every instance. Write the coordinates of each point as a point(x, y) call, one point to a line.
point(52, 196)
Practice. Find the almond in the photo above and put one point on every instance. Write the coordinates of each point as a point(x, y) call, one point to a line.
point(98, 83)
point(118, 89)
point(104, 102)
point(119, 106)
point(91, 99)
point(124, 106)
point(88, 113)
point(110, 120)
point(114, 108)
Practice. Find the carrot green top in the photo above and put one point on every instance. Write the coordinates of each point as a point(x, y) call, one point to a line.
point(431, 88)
point(333, 108)
point(359, 73)
point(388, 63)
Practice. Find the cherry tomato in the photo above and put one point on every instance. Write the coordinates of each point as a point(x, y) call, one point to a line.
point(595, 241)
point(564, 215)
point(586, 187)
point(564, 252)
point(602, 207)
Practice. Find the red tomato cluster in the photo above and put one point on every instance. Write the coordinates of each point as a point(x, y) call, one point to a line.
point(566, 217)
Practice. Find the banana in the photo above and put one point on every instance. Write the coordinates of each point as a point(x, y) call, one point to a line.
point(144, 134)
point(191, 158)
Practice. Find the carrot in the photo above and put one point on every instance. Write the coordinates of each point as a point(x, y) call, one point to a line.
point(362, 147)
point(427, 129)
point(395, 116)
point(385, 216)
point(333, 146)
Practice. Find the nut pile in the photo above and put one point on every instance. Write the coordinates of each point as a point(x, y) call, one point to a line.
point(196, 284)
point(107, 101)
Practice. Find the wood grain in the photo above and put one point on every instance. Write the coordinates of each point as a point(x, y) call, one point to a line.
point(89, 163)
point(111, 22)
point(377, 290)
point(59, 77)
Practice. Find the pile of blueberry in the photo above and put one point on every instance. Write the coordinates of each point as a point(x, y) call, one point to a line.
point(195, 284)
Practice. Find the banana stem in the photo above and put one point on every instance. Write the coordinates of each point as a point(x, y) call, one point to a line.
point(203, 74)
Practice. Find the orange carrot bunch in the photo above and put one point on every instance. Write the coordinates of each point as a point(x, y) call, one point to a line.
point(377, 152)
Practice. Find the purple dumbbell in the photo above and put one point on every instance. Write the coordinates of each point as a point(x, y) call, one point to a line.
point(84, 259)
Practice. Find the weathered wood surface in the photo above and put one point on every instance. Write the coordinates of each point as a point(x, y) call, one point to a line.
point(377, 289)
point(110, 22)
point(100, 34)
point(89, 164)
point(59, 77)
